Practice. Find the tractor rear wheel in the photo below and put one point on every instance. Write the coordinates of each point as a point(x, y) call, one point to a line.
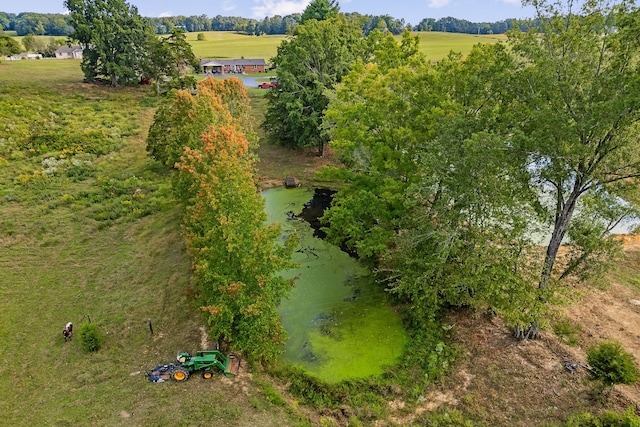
point(180, 374)
point(207, 374)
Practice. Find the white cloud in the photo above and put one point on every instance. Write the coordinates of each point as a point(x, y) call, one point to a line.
point(278, 7)
point(228, 5)
point(512, 1)
point(438, 3)
point(165, 14)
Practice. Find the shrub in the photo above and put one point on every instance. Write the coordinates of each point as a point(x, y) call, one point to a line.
point(90, 337)
point(607, 419)
point(612, 364)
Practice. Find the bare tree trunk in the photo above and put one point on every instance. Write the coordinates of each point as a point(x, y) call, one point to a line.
point(563, 219)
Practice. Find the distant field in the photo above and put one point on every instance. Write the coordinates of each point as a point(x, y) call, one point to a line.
point(434, 45)
point(225, 44)
point(222, 44)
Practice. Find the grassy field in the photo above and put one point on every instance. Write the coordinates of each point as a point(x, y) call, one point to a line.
point(107, 246)
point(104, 243)
point(222, 44)
point(434, 45)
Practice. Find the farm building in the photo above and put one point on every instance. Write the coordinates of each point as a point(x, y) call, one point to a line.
point(69, 52)
point(215, 66)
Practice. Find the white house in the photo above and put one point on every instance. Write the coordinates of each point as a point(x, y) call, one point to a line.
point(69, 52)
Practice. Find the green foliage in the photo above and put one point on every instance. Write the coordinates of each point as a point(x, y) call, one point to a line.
point(41, 45)
point(272, 395)
point(427, 353)
point(46, 124)
point(236, 256)
point(169, 58)
point(320, 10)
point(445, 418)
point(201, 37)
point(314, 59)
point(606, 419)
point(433, 197)
point(612, 364)
point(363, 216)
point(578, 110)
point(592, 248)
point(128, 198)
point(310, 390)
point(9, 46)
point(182, 119)
point(90, 337)
point(29, 42)
point(115, 39)
point(567, 331)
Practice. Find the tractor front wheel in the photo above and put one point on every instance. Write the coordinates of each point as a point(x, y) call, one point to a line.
point(180, 374)
point(207, 374)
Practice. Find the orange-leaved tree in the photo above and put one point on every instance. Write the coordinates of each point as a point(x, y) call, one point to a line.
point(237, 256)
point(182, 119)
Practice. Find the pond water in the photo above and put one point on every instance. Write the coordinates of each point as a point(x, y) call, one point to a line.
point(249, 81)
point(338, 323)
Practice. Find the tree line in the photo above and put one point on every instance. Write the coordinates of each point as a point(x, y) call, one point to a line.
point(454, 25)
point(60, 25)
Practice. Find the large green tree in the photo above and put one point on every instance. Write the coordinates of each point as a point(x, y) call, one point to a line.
point(369, 119)
point(320, 10)
point(114, 36)
point(576, 95)
point(9, 46)
point(455, 167)
point(435, 196)
point(312, 61)
point(169, 58)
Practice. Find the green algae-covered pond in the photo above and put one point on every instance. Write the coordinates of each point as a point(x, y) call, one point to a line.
point(338, 322)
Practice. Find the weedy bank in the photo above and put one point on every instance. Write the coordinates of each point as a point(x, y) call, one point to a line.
point(89, 231)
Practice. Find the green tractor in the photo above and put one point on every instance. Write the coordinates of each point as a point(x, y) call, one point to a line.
point(206, 360)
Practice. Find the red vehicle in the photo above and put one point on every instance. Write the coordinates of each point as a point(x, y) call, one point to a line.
point(266, 85)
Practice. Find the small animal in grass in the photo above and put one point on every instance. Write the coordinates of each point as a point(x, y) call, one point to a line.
point(67, 332)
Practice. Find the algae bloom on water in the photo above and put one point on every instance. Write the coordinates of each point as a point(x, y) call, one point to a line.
point(338, 322)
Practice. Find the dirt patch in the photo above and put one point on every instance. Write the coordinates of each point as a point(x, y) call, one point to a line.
point(277, 163)
point(500, 381)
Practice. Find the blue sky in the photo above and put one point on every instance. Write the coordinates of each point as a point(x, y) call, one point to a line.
point(413, 11)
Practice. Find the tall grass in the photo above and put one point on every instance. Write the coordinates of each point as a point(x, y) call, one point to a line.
point(60, 261)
